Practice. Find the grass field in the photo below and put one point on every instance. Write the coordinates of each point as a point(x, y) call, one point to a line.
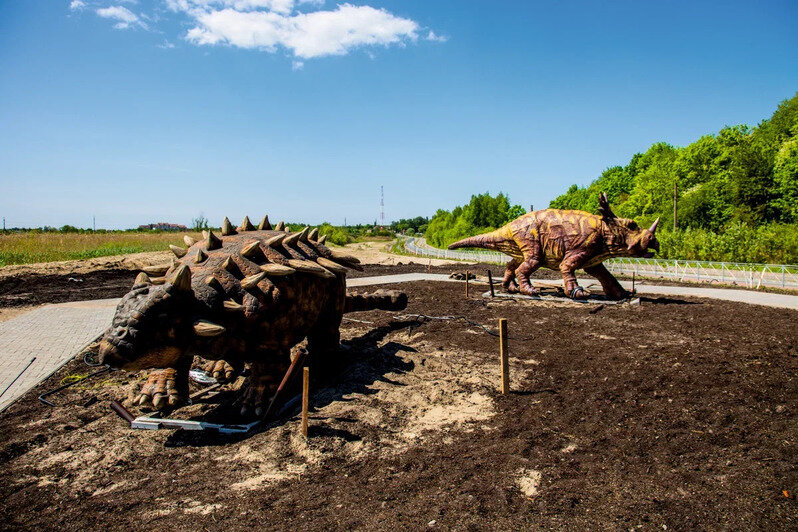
point(26, 248)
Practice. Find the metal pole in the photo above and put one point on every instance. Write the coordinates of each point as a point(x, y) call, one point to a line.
point(675, 204)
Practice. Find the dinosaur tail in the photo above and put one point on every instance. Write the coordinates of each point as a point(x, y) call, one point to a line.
point(492, 240)
point(379, 300)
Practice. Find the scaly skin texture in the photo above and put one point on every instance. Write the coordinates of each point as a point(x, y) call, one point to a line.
point(566, 240)
point(246, 298)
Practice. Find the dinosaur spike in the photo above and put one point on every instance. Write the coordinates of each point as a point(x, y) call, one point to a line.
point(158, 280)
point(250, 249)
point(214, 242)
point(179, 252)
point(275, 240)
point(343, 257)
point(159, 269)
point(264, 224)
point(231, 305)
point(189, 241)
point(280, 226)
point(277, 269)
point(331, 265)
point(246, 225)
point(205, 235)
point(314, 234)
point(322, 239)
point(227, 227)
point(201, 256)
point(251, 280)
point(214, 283)
point(181, 279)
point(293, 238)
point(310, 267)
point(303, 235)
point(229, 265)
point(142, 278)
point(208, 328)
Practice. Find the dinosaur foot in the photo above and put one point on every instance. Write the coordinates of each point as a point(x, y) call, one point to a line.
point(161, 390)
point(259, 389)
point(530, 291)
point(220, 370)
point(579, 293)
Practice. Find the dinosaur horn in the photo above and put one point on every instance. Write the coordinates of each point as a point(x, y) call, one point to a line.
point(653, 228)
point(322, 239)
point(181, 279)
point(227, 227)
point(201, 256)
point(280, 226)
point(207, 328)
point(314, 234)
point(264, 224)
point(188, 240)
point(303, 235)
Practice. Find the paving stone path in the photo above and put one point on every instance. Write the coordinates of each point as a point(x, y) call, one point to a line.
point(53, 334)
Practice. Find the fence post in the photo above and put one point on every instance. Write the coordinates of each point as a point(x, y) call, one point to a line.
point(783, 271)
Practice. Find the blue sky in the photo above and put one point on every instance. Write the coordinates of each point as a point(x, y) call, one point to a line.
point(158, 110)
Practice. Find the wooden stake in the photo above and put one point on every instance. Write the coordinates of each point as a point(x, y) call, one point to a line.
point(305, 393)
point(490, 282)
point(503, 358)
point(467, 284)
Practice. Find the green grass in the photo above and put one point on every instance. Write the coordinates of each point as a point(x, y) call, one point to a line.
point(34, 247)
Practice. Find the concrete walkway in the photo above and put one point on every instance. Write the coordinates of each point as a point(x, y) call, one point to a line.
point(53, 334)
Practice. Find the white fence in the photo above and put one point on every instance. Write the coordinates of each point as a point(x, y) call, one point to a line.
point(748, 275)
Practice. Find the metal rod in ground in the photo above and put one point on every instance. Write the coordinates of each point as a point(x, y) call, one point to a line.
point(504, 360)
point(467, 274)
point(633, 282)
point(490, 282)
point(18, 376)
point(305, 393)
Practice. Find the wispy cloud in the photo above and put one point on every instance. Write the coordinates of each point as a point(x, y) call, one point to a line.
point(432, 36)
point(125, 18)
point(77, 5)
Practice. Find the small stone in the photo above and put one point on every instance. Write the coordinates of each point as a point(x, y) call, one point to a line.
point(431, 523)
point(781, 409)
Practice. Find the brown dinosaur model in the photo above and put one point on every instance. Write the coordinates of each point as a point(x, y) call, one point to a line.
point(566, 240)
point(247, 297)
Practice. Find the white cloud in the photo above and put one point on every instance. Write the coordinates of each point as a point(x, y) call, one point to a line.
point(124, 17)
point(306, 35)
point(297, 65)
point(304, 29)
point(432, 36)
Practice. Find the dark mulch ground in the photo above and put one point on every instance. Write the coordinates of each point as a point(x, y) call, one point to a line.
point(675, 412)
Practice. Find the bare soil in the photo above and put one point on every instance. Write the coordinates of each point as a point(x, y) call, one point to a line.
point(676, 413)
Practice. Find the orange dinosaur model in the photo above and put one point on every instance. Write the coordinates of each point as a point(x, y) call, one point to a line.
point(565, 241)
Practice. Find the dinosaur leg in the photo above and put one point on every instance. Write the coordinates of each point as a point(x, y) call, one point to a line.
point(262, 383)
point(523, 272)
point(568, 266)
point(612, 288)
point(509, 284)
point(167, 387)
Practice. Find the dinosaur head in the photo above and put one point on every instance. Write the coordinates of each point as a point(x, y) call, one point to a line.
point(150, 328)
point(624, 237)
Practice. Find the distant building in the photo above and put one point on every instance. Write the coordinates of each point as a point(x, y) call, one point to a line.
point(163, 226)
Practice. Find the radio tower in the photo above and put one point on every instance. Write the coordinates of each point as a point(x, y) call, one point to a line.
point(382, 208)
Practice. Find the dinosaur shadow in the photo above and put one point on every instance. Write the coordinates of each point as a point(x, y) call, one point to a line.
point(360, 363)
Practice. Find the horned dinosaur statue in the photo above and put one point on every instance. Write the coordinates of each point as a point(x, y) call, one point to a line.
point(566, 240)
point(247, 297)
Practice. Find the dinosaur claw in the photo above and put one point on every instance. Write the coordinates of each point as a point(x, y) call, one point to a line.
point(143, 400)
point(159, 401)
